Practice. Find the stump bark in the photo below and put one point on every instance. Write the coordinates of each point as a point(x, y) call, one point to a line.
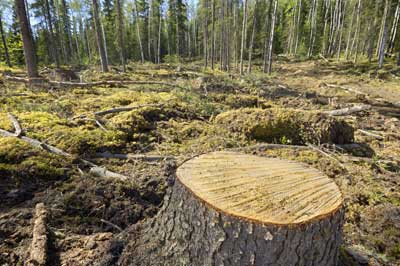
point(229, 208)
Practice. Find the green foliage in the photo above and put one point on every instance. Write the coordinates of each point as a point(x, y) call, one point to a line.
point(14, 42)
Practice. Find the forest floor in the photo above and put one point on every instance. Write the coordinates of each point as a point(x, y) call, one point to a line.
point(202, 111)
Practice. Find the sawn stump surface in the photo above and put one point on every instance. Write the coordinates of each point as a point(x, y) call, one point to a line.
point(260, 189)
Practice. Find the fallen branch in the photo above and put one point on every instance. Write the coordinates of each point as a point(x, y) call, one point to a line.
point(23, 80)
point(142, 157)
point(17, 126)
point(348, 110)
point(315, 148)
point(346, 89)
point(112, 225)
point(38, 250)
point(38, 144)
point(125, 109)
point(323, 57)
point(370, 134)
point(62, 84)
point(104, 173)
point(113, 111)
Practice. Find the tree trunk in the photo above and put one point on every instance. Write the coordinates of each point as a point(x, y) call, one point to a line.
point(228, 208)
point(373, 33)
point(313, 19)
point(243, 44)
point(357, 34)
point(339, 50)
point(3, 39)
point(206, 34)
point(53, 47)
point(138, 31)
point(99, 36)
point(159, 37)
point(271, 38)
point(393, 32)
point(298, 27)
point(212, 34)
point(266, 41)
point(104, 40)
point(350, 30)
point(253, 31)
point(398, 59)
point(29, 48)
point(149, 24)
point(235, 35)
point(67, 30)
point(120, 24)
point(381, 55)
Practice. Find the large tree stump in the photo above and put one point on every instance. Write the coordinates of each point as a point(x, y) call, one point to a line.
point(228, 208)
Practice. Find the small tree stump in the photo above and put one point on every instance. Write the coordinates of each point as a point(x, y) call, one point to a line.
point(229, 208)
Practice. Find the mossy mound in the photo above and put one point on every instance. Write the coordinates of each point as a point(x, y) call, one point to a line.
point(77, 138)
point(236, 100)
point(144, 120)
point(24, 169)
point(287, 126)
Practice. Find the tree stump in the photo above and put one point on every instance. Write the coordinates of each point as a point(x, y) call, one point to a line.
point(229, 208)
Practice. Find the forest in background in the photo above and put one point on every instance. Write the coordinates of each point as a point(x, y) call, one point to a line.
point(224, 34)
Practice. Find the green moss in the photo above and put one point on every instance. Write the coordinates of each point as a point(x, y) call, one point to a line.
point(236, 100)
point(21, 163)
point(13, 150)
point(286, 125)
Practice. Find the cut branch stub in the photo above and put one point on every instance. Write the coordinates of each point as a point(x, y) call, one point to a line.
point(230, 208)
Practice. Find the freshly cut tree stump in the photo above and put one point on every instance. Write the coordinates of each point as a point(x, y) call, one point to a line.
point(229, 208)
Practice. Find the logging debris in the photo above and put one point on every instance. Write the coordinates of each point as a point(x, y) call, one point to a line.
point(67, 84)
point(39, 245)
point(95, 169)
point(348, 110)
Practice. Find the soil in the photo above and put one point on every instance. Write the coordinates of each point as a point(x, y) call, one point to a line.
point(87, 213)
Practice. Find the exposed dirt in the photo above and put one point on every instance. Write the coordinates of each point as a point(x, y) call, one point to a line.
point(210, 111)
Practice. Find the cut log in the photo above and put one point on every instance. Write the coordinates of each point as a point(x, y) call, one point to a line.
point(230, 208)
point(38, 251)
point(67, 84)
point(349, 110)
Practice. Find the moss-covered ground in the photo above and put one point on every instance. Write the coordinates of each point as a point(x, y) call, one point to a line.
point(206, 111)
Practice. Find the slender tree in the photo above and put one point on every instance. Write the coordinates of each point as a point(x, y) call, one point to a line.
point(4, 41)
point(120, 23)
point(381, 55)
point(271, 37)
point(243, 43)
point(99, 36)
point(53, 42)
point(212, 34)
point(252, 37)
point(137, 21)
point(29, 48)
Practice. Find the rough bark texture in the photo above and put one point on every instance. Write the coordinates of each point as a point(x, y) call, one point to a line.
point(29, 48)
point(38, 252)
point(189, 232)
